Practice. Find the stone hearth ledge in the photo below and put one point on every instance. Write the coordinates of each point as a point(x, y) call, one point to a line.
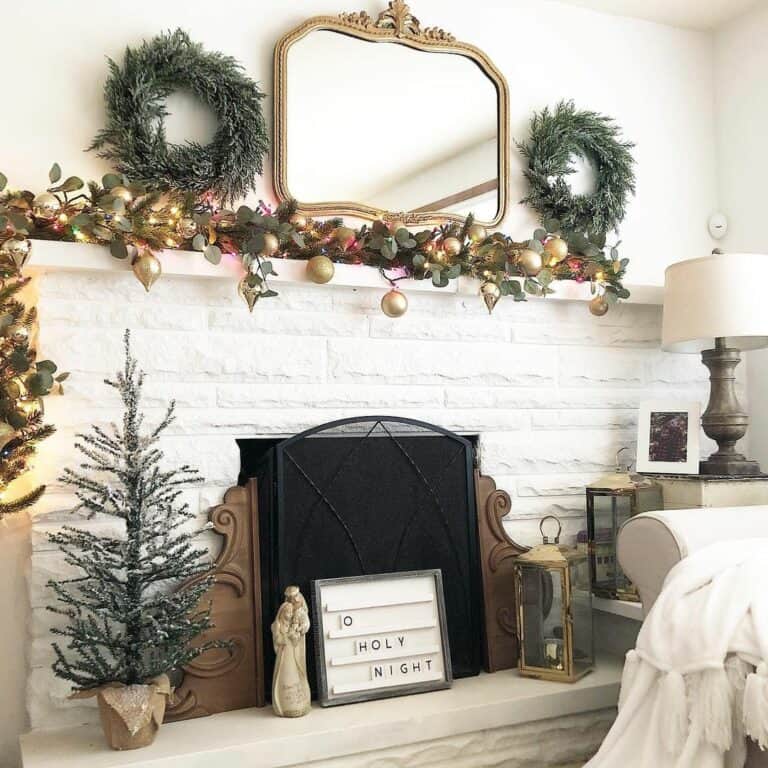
point(51, 255)
point(250, 737)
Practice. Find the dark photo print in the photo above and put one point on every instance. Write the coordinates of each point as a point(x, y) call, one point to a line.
point(669, 436)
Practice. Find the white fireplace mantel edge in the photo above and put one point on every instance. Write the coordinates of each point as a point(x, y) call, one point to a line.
point(50, 255)
point(249, 737)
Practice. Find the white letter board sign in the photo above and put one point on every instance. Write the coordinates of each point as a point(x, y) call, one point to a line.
point(380, 635)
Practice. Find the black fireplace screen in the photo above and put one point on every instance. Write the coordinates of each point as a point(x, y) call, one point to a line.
point(365, 496)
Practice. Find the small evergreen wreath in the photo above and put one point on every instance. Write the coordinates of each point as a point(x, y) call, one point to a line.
point(134, 137)
point(555, 138)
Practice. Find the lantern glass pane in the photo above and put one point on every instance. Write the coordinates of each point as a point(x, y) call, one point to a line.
point(581, 613)
point(610, 512)
point(543, 615)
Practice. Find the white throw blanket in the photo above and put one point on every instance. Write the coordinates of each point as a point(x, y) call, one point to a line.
point(697, 683)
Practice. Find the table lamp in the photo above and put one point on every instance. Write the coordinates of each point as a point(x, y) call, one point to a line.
point(717, 305)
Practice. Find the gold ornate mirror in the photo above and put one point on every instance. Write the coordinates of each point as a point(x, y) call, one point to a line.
point(383, 131)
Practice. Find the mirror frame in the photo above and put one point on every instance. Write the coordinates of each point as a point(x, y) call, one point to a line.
point(394, 25)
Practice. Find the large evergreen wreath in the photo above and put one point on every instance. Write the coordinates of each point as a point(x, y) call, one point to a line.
point(556, 137)
point(134, 137)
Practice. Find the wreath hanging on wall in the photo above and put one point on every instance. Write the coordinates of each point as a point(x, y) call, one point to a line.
point(134, 137)
point(558, 136)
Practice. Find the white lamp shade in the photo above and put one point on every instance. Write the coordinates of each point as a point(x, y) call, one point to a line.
point(721, 295)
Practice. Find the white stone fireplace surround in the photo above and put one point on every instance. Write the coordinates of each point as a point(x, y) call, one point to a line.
point(550, 390)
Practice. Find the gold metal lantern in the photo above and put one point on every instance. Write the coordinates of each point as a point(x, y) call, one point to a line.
point(611, 501)
point(554, 604)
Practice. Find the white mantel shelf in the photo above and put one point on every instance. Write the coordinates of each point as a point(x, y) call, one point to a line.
point(50, 255)
point(255, 737)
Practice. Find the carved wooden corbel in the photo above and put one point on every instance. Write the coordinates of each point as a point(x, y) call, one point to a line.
point(233, 678)
point(497, 556)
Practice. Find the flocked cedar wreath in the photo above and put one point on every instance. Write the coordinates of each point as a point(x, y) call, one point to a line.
point(558, 136)
point(134, 137)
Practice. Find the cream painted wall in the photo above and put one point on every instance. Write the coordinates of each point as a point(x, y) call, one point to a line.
point(656, 80)
point(741, 66)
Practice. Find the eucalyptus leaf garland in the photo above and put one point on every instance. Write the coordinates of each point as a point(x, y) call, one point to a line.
point(134, 219)
point(134, 138)
point(556, 137)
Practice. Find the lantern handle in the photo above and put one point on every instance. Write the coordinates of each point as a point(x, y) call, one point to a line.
point(619, 467)
point(559, 528)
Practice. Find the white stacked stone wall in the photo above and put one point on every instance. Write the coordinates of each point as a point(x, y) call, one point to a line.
point(551, 391)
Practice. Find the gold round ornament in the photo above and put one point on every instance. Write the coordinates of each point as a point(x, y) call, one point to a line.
point(344, 236)
point(249, 293)
point(491, 293)
point(557, 249)
point(186, 228)
point(46, 206)
point(147, 269)
point(320, 269)
point(452, 246)
point(122, 192)
point(477, 233)
point(395, 225)
point(598, 306)
point(530, 261)
point(297, 221)
point(16, 250)
point(271, 244)
point(394, 303)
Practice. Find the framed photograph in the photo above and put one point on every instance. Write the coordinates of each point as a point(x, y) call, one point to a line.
point(379, 636)
point(668, 438)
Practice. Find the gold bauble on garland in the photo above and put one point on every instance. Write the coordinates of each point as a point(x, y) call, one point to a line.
point(598, 306)
point(186, 228)
point(16, 250)
point(557, 249)
point(122, 192)
point(249, 293)
point(7, 433)
point(271, 244)
point(344, 236)
point(395, 225)
point(531, 261)
point(394, 303)
point(491, 293)
point(477, 233)
point(452, 246)
point(320, 269)
point(297, 221)
point(147, 269)
point(46, 206)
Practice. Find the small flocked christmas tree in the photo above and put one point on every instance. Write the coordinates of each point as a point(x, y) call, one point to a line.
point(23, 382)
point(125, 622)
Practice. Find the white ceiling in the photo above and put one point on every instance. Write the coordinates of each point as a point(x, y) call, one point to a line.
point(697, 14)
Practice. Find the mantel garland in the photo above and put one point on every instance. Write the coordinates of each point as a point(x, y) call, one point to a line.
point(134, 219)
point(134, 137)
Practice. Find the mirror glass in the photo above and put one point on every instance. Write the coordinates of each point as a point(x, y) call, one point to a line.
point(391, 127)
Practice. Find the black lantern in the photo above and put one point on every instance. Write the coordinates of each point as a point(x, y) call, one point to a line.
point(611, 501)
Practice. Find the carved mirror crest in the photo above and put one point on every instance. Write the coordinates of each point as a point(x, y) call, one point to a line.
point(383, 131)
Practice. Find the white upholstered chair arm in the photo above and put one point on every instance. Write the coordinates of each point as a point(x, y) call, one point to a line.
point(650, 544)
